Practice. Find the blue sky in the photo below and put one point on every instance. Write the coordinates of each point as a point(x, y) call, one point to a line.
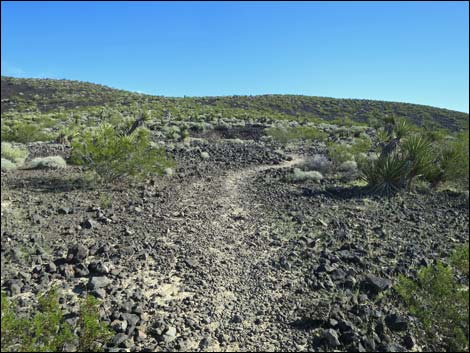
point(402, 51)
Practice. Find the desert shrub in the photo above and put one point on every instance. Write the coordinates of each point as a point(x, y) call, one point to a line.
point(43, 332)
point(440, 301)
point(455, 159)
point(340, 153)
point(50, 162)
point(16, 155)
point(319, 163)
point(300, 175)
point(116, 156)
point(348, 167)
point(285, 135)
point(24, 132)
point(93, 333)
point(46, 330)
point(8, 165)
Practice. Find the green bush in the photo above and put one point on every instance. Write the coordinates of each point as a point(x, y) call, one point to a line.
point(17, 155)
point(455, 159)
point(440, 302)
point(341, 153)
point(47, 331)
point(113, 155)
point(93, 333)
point(24, 132)
point(8, 165)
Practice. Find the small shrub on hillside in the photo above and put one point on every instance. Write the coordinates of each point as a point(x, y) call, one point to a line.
point(93, 333)
point(340, 153)
point(50, 162)
point(455, 159)
point(16, 155)
point(348, 167)
point(115, 156)
point(8, 165)
point(441, 302)
point(24, 132)
point(319, 163)
point(47, 331)
point(300, 175)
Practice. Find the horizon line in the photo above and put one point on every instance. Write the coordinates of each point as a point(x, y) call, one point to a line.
point(232, 95)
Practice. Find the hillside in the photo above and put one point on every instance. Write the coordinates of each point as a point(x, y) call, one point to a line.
point(219, 224)
point(47, 95)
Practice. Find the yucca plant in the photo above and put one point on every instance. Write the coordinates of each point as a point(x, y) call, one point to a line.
point(385, 175)
point(401, 128)
point(417, 151)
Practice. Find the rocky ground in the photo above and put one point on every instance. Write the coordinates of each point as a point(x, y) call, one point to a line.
point(227, 254)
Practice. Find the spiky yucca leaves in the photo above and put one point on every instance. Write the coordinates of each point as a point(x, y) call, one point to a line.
point(420, 159)
point(401, 128)
point(385, 175)
point(455, 159)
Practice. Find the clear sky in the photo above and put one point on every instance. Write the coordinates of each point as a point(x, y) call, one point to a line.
point(402, 51)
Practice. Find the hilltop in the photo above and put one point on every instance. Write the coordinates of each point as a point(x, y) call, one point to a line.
point(49, 95)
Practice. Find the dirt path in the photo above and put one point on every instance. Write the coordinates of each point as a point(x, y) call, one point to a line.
point(228, 256)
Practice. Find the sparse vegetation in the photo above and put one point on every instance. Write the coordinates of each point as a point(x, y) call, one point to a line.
point(300, 175)
point(50, 162)
point(115, 156)
point(16, 155)
point(24, 132)
point(406, 156)
point(441, 301)
point(8, 165)
point(285, 135)
point(46, 330)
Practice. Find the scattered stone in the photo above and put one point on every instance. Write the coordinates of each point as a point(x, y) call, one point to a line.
point(89, 224)
point(375, 284)
point(331, 337)
point(51, 267)
point(98, 282)
point(396, 322)
point(169, 335)
point(77, 253)
point(237, 319)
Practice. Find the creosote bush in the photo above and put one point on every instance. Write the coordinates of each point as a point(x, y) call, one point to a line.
point(440, 301)
point(113, 155)
point(24, 132)
point(47, 331)
point(16, 155)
